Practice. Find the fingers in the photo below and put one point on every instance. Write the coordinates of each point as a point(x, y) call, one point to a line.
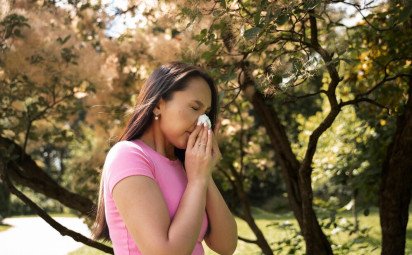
point(193, 136)
point(199, 137)
point(203, 139)
point(209, 143)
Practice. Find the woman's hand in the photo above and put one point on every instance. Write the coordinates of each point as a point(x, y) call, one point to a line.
point(199, 160)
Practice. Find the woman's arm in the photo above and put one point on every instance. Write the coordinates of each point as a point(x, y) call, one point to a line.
point(222, 237)
point(144, 211)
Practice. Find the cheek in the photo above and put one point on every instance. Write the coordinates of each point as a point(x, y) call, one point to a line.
point(187, 116)
point(179, 122)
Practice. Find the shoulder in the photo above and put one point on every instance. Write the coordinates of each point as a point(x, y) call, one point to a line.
point(126, 159)
point(127, 152)
point(127, 148)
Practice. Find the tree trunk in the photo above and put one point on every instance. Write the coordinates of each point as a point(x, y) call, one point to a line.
point(396, 185)
point(290, 166)
point(26, 172)
point(247, 214)
point(315, 239)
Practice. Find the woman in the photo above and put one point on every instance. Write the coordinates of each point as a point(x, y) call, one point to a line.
point(157, 195)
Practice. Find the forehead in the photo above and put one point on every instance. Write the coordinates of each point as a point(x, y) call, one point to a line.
point(197, 89)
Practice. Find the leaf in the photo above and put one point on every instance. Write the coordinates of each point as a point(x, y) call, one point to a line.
point(256, 18)
point(64, 40)
point(223, 3)
point(252, 32)
point(406, 12)
point(282, 19)
point(207, 55)
point(277, 79)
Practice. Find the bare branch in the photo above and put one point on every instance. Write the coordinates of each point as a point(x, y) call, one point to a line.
point(129, 9)
point(368, 100)
point(247, 240)
point(383, 81)
point(232, 100)
point(359, 10)
point(56, 225)
point(303, 96)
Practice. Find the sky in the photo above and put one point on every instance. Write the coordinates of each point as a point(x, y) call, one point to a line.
point(126, 21)
point(120, 23)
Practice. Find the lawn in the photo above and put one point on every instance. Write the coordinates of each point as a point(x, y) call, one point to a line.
point(4, 227)
point(369, 244)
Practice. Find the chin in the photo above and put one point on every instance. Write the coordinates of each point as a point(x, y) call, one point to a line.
point(181, 144)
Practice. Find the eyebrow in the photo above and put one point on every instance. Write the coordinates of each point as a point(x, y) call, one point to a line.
point(200, 103)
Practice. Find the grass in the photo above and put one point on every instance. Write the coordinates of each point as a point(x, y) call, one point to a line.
point(362, 245)
point(4, 227)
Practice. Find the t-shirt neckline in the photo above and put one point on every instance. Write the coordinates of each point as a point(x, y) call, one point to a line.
point(156, 152)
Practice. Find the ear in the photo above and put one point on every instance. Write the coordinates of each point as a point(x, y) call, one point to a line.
point(159, 107)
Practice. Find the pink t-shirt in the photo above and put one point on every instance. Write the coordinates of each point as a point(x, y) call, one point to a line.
point(128, 158)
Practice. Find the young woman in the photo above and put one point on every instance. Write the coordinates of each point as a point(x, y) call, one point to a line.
point(157, 195)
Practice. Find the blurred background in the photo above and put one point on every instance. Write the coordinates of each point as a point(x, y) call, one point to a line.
point(315, 103)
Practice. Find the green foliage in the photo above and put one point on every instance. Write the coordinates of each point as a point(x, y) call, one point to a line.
point(293, 243)
point(17, 207)
point(12, 25)
point(247, 151)
point(56, 105)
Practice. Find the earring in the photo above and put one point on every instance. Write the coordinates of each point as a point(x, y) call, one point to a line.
point(156, 117)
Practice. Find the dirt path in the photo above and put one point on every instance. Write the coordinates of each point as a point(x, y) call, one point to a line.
point(32, 235)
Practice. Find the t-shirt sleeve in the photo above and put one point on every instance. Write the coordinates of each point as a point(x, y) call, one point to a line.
point(126, 159)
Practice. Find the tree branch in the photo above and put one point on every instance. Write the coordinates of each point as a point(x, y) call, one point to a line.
point(364, 99)
point(363, 96)
point(60, 228)
point(26, 172)
point(359, 10)
point(385, 79)
point(322, 91)
point(247, 240)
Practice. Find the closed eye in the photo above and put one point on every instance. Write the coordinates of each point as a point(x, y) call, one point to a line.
point(197, 109)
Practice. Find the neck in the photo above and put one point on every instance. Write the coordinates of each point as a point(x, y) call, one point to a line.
point(154, 138)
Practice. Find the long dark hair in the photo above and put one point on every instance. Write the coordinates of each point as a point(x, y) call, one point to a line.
point(162, 83)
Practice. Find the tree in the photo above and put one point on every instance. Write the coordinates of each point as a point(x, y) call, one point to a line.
point(303, 34)
point(288, 72)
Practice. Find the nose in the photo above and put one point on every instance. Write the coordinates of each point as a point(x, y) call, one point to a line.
point(192, 129)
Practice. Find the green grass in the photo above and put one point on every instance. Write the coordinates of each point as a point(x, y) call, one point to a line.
point(4, 227)
point(369, 245)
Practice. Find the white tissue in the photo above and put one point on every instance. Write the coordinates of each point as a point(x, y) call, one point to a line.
point(204, 119)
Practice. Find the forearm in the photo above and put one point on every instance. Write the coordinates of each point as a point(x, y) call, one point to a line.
point(185, 227)
point(222, 237)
